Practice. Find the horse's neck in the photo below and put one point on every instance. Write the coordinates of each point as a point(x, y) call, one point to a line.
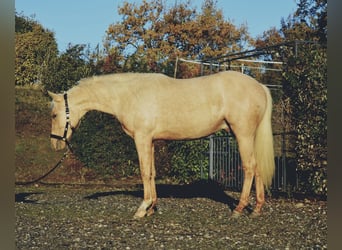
point(94, 98)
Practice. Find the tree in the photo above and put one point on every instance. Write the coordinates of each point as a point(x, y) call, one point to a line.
point(305, 88)
point(214, 36)
point(68, 68)
point(35, 48)
point(151, 36)
point(136, 36)
point(24, 24)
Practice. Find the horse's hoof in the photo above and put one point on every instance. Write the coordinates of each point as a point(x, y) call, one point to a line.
point(139, 214)
point(254, 214)
point(236, 214)
point(151, 211)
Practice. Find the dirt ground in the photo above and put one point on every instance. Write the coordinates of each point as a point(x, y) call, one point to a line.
point(195, 216)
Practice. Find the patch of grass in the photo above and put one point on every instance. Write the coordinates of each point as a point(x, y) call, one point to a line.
point(32, 111)
point(34, 156)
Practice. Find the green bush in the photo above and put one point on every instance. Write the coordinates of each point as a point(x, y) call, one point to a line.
point(188, 160)
point(101, 144)
point(305, 87)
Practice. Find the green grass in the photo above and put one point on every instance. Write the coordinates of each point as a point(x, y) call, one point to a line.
point(33, 155)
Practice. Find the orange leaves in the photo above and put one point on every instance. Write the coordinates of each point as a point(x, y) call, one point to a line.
point(154, 31)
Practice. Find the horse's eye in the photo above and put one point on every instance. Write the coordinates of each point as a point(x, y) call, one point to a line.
point(54, 116)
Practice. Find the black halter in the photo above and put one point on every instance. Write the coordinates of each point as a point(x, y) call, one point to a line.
point(67, 124)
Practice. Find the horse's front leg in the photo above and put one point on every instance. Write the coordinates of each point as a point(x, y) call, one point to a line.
point(152, 208)
point(145, 152)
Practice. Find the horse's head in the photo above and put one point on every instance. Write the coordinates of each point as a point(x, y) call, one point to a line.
point(64, 120)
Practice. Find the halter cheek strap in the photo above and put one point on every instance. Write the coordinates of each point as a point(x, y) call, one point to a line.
point(67, 124)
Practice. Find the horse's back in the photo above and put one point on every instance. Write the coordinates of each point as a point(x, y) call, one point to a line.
point(223, 91)
point(159, 82)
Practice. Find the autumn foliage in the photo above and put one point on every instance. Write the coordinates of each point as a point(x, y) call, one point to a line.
point(151, 36)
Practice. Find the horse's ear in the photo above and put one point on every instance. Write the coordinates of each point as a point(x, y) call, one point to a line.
point(55, 97)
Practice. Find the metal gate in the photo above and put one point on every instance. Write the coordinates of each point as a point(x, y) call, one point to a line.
point(225, 165)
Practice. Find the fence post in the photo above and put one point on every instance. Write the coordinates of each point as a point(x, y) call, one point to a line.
point(211, 157)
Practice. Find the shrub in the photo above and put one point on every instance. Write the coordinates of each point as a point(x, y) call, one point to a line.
point(305, 87)
point(101, 144)
point(188, 160)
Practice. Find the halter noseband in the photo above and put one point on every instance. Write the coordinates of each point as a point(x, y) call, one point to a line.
point(67, 124)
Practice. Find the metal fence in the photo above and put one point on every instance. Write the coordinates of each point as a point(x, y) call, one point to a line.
point(225, 165)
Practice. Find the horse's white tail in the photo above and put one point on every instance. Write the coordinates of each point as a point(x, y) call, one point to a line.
point(263, 144)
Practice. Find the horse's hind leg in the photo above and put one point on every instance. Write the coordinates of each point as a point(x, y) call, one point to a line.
point(260, 194)
point(248, 165)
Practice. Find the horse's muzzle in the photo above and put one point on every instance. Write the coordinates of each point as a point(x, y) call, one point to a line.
point(58, 144)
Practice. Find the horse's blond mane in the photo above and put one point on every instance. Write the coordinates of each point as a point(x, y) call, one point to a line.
point(114, 77)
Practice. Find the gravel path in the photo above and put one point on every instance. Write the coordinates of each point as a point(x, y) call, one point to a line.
point(188, 217)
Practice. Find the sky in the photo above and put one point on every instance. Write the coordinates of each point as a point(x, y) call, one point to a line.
point(86, 21)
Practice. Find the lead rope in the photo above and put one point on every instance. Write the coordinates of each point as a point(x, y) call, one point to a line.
point(52, 169)
point(69, 146)
point(43, 176)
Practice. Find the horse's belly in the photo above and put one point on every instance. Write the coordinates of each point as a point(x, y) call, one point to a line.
point(192, 130)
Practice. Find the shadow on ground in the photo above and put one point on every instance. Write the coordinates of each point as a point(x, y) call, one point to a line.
point(25, 197)
point(200, 189)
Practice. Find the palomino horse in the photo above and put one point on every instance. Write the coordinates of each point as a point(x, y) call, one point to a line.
point(153, 106)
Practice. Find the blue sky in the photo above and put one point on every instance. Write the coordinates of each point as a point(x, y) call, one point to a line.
point(86, 21)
